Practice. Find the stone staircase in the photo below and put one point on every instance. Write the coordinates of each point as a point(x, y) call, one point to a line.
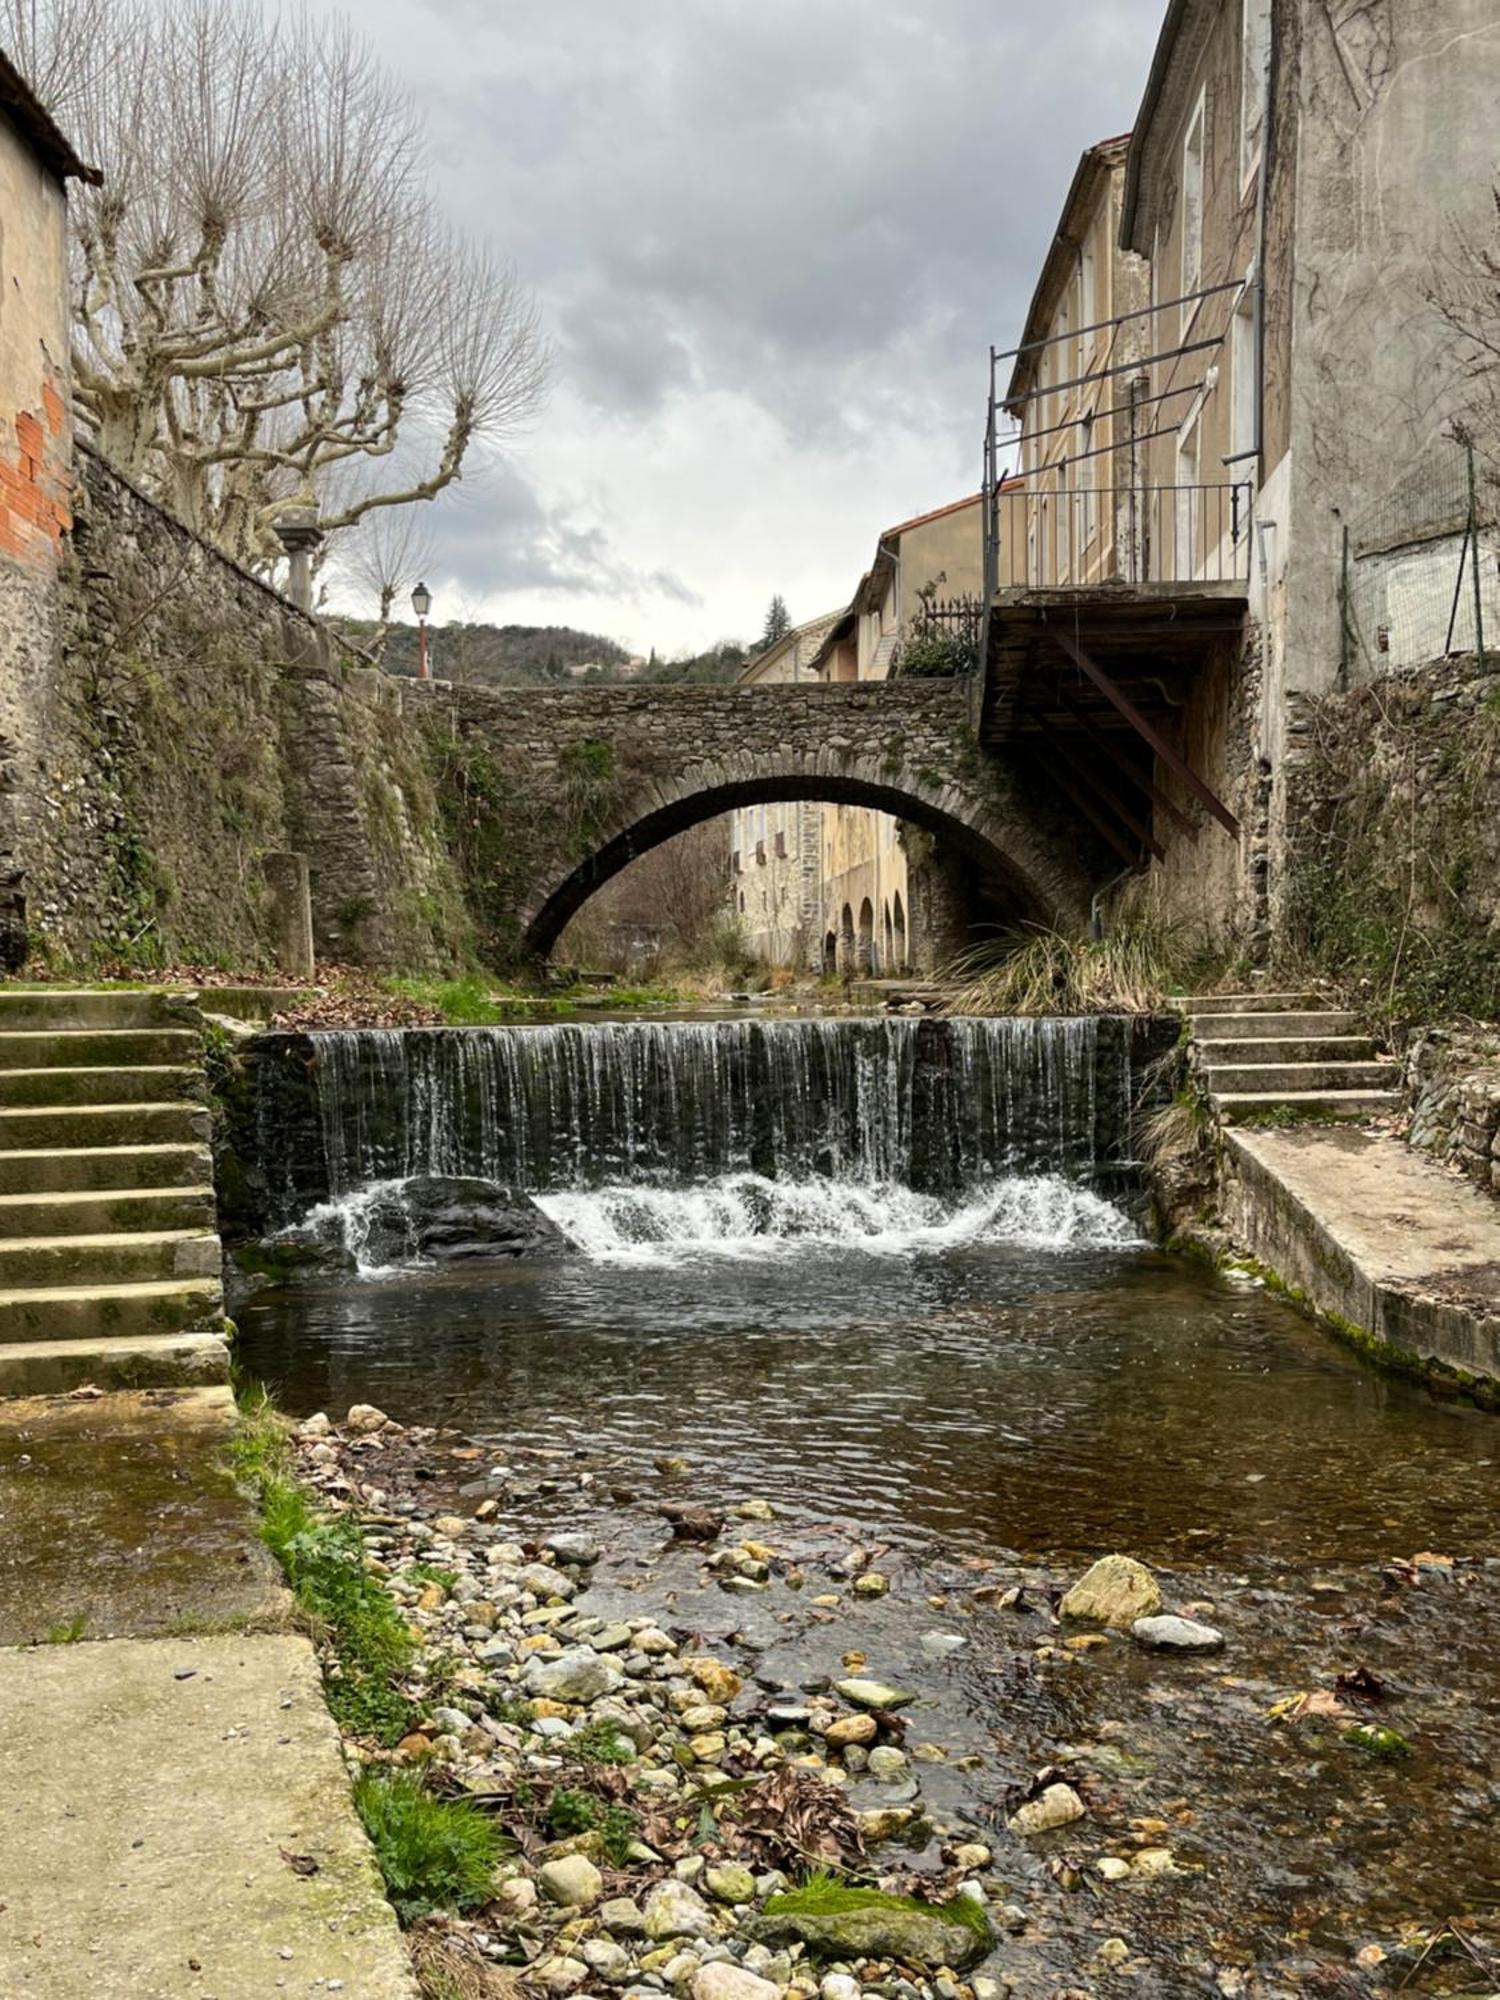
point(1262, 1056)
point(110, 1261)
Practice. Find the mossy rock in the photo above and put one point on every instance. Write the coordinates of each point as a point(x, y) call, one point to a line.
point(837, 1922)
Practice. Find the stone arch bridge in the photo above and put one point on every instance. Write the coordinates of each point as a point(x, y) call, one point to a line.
point(555, 790)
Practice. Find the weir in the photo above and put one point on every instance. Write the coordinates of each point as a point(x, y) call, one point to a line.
point(933, 1105)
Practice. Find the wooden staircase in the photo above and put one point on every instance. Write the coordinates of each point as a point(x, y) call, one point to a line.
point(110, 1262)
point(1270, 1057)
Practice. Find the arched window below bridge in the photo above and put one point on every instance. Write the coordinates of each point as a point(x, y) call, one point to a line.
point(864, 952)
point(899, 959)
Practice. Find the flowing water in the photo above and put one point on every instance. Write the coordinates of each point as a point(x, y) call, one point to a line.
point(891, 1277)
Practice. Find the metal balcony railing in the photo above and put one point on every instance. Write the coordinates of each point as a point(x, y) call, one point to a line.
point(1055, 536)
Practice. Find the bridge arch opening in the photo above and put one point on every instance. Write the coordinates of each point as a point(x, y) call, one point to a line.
point(979, 871)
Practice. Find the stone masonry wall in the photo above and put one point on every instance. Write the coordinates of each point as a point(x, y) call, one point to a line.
point(191, 721)
point(1393, 829)
point(1453, 1078)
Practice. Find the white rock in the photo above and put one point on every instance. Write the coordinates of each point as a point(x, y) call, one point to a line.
point(1116, 1591)
point(572, 1880)
point(363, 1418)
point(315, 1426)
point(673, 1910)
point(1177, 1635)
point(732, 1982)
point(578, 1675)
point(840, 1986)
point(1059, 1805)
point(608, 1960)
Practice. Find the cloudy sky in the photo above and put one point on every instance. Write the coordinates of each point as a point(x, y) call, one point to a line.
point(772, 240)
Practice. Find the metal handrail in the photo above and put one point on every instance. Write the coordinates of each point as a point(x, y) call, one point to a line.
point(1079, 535)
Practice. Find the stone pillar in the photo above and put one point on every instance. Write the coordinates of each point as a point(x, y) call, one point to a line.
point(291, 914)
point(939, 921)
point(299, 534)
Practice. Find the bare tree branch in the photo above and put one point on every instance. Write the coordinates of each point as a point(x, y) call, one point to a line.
point(262, 291)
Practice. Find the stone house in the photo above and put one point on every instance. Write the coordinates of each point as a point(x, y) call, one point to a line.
point(1296, 175)
point(775, 851)
point(36, 457)
point(1076, 396)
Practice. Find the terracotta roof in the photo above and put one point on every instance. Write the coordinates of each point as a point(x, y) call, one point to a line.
point(920, 520)
point(30, 117)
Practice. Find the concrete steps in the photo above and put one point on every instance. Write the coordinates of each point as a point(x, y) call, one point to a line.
point(54, 1169)
point(110, 1259)
point(1273, 1058)
point(93, 1084)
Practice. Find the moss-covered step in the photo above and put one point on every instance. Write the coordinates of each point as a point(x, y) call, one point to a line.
point(79, 1312)
point(1293, 1107)
point(163, 1361)
point(40, 1169)
point(98, 1048)
point(1250, 1003)
point(56, 1007)
point(107, 1211)
point(114, 1259)
point(61, 1085)
point(91, 1125)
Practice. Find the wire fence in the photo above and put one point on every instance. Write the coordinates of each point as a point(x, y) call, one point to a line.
point(1420, 577)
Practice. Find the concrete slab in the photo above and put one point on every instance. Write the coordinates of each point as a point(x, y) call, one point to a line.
point(1376, 1235)
point(118, 1511)
point(154, 1797)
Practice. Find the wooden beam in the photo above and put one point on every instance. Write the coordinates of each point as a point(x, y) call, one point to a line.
point(1125, 813)
point(1169, 755)
point(1096, 735)
point(1053, 768)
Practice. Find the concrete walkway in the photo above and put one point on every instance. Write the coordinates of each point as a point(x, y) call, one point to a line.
point(1375, 1235)
point(175, 1816)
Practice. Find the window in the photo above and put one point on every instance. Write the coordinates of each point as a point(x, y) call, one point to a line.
point(780, 845)
point(1255, 57)
point(1186, 552)
point(736, 867)
point(1243, 363)
point(1192, 206)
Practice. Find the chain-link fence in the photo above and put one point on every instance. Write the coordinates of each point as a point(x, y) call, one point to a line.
point(1421, 570)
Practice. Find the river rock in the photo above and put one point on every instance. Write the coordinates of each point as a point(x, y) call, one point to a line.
point(578, 1675)
point(730, 1882)
point(852, 1729)
point(608, 1960)
point(364, 1420)
point(673, 1910)
point(569, 1547)
point(872, 1694)
point(879, 1930)
point(718, 1682)
point(1058, 1806)
point(1116, 1591)
point(1177, 1635)
point(445, 1218)
point(888, 1764)
point(720, 1981)
point(573, 1881)
point(546, 1581)
point(622, 1916)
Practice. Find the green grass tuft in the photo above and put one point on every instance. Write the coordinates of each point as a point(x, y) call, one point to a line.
point(601, 1742)
point(68, 1631)
point(435, 1854)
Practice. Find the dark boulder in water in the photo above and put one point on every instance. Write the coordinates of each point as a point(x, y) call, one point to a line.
point(447, 1218)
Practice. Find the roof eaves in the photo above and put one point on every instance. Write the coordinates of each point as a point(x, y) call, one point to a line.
point(25, 110)
point(1161, 64)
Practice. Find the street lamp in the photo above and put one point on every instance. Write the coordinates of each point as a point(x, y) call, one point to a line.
point(421, 603)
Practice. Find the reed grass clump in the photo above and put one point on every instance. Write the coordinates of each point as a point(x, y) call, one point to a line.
point(1131, 970)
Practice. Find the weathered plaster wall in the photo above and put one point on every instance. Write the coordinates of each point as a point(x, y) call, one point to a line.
point(35, 502)
point(1397, 156)
point(189, 722)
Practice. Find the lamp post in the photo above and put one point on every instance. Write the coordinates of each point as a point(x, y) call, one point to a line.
point(421, 603)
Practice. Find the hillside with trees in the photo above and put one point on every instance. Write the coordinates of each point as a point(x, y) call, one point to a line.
point(535, 655)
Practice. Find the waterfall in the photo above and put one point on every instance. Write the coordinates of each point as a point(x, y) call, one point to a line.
point(933, 1105)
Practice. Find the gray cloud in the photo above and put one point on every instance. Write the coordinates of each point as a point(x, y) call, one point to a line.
point(824, 210)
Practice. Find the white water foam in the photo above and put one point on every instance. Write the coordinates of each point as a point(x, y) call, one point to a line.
point(744, 1217)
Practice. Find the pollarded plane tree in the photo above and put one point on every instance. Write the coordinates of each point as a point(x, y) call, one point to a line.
point(269, 312)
